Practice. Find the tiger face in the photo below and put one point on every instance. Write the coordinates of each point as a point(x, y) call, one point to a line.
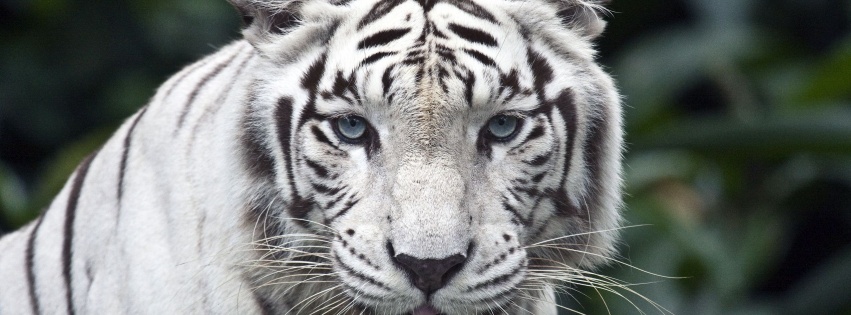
point(448, 155)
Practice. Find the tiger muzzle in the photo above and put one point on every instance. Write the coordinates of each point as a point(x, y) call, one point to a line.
point(431, 234)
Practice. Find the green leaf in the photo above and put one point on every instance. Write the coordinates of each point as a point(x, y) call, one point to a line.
point(831, 79)
point(770, 137)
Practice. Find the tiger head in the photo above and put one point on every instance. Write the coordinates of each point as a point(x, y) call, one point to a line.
point(430, 156)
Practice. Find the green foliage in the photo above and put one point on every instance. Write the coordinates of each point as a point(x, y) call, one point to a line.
point(738, 120)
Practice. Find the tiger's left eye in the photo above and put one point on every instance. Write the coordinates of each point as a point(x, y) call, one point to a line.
point(503, 127)
point(350, 128)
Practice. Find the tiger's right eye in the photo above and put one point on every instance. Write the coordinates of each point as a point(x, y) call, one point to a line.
point(351, 129)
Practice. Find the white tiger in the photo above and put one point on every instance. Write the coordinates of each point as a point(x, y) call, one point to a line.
point(347, 157)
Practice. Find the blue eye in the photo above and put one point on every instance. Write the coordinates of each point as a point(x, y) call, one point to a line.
point(503, 127)
point(350, 128)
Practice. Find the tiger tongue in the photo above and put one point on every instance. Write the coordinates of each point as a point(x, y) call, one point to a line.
point(425, 310)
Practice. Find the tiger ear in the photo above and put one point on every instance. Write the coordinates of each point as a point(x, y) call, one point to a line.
point(267, 16)
point(584, 15)
point(263, 19)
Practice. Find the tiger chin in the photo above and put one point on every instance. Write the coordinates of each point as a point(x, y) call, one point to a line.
point(347, 157)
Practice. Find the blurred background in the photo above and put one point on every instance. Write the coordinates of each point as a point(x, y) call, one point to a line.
point(738, 120)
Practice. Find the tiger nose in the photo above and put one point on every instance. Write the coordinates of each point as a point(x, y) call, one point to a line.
point(429, 275)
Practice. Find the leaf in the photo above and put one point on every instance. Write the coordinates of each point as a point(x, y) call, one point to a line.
point(830, 81)
point(770, 137)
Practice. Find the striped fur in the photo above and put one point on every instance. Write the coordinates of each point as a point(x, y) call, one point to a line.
point(232, 191)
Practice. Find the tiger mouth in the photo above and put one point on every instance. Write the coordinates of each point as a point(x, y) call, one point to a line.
point(426, 309)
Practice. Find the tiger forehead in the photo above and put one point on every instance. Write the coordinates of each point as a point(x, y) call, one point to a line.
point(429, 50)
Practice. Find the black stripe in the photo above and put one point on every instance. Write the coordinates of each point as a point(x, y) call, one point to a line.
point(325, 190)
point(378, 11)
point(334, 202)
point(183, 76)
point(310, 81)
point(539, 177)
point(346, 207)
point(318, 169)
point(536, 133)
point(530, 191)
point(473, 35)
point(352, 272)
point(300, 207)
point(240, 68)
point(128, 139)
point(363, 296)
point(484, 59)
point(510, 82)
point(220, 101)
point(595, 147)
point(567, 108)
point(469, 85)
point(376, 57)
point(256, 157)
point(320, 136)
point(539, 160)
point(541, 71)
point(341, 85)
point(427, 4)
point(68, 230)
point(30, 260)
point(518, 219)
point(284, 117)
point(383, 37)
point(200, 85)
point(387, 80)
point(498, 279)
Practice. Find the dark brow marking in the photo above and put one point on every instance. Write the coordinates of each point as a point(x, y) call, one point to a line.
point(473, 35)
point(383, 37)
point(376, 57)
point(484, 59)
point(378, 11)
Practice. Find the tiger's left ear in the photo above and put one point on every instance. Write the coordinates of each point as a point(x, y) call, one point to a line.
point(584, 15)
point(273, 17)
point(264, 19)
point(282, 29)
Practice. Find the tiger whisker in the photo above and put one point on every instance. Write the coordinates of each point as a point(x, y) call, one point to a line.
point(606, 284)
point(619, 262)
point(311, 298)
point(588, 233)
point(537, 299)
